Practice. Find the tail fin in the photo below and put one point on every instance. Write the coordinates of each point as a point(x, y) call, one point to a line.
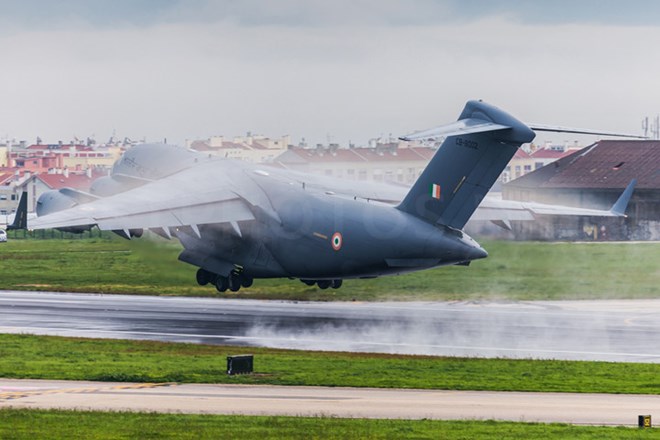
point(467, 164)
point(619, 207)
point(20, 218)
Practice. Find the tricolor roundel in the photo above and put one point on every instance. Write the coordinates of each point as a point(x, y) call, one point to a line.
point(435, 191)
point(336, 241)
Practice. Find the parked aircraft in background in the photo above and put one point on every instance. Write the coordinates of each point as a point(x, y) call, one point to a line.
point(239, 221)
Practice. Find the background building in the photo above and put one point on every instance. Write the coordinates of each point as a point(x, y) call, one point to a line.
point(249, 148)
point(595, 177)
point(390, 162)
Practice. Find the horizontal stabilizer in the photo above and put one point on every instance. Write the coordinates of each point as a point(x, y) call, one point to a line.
point(498, 211)
point(463, 126)
point(557, 129)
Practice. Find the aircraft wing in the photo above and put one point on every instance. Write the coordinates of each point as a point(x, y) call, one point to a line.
point(188, 198)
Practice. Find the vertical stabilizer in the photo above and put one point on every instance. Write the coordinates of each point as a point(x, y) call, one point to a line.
point(20, 218)
point(475, 152)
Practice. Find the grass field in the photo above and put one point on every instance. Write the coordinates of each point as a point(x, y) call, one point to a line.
point(514, 270)
point(55, 425)
point(47, 357)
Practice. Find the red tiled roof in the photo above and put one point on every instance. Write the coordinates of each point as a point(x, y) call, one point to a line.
point(364, 154)
point(78, 147)
point(546, 153)
point(521, 154)
point(340, 155)
point(200, 146)
point(256, 145)
point(75, 181)
point(5, 177)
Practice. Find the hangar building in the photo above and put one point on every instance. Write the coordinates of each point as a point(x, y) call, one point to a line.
point(593, 178)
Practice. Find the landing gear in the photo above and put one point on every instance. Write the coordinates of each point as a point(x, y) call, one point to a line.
point(324, 284)
point(246, 281)
point(221, 283)
point(233, 282)
point(204, 277)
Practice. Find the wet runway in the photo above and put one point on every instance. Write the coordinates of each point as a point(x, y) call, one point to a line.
point(622, 330)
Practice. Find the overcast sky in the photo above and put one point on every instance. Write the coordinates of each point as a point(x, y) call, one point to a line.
point(338, 70)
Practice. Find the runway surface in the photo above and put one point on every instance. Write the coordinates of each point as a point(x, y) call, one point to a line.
point(595, 409)
point(584, 330)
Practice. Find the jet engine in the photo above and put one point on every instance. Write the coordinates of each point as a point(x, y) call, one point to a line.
point(53, 201)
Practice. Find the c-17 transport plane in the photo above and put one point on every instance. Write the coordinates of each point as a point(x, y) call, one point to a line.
point(238, 221)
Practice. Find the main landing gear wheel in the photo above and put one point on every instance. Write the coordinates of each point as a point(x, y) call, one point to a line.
point(234, 282)
point(246, 281)
point(221, 283)
point(324, 284)
point(204, 277)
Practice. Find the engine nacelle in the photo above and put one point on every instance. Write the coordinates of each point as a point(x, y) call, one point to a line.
point(54, 201)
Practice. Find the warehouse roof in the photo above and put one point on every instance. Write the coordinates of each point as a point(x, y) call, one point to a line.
point(605, 164)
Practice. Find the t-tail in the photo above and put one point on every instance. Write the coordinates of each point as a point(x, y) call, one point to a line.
point(474, 153)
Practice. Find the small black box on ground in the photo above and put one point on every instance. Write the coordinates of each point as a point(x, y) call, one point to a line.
point(644, 421)
point(241, 364)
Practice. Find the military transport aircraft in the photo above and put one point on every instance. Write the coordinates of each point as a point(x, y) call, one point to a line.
point(239, 221)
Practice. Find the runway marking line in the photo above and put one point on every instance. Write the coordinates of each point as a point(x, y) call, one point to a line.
point(13, 395)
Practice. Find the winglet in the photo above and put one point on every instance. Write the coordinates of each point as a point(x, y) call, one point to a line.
point(20, 218)
point(619, 207)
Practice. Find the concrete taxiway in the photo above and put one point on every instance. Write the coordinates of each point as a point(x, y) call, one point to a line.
point(596, 409)
point(583, 330)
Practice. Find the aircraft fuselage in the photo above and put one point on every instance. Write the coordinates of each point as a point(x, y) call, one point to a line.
point(315, 235)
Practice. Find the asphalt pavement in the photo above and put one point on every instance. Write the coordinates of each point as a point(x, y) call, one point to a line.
point(621, 330)
point(595, 409)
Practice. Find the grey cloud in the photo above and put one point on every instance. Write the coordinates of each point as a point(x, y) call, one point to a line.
point(41, 14)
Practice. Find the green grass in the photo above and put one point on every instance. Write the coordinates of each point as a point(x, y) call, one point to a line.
point(514, 270)
point(37, 424)
point(47, 357)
